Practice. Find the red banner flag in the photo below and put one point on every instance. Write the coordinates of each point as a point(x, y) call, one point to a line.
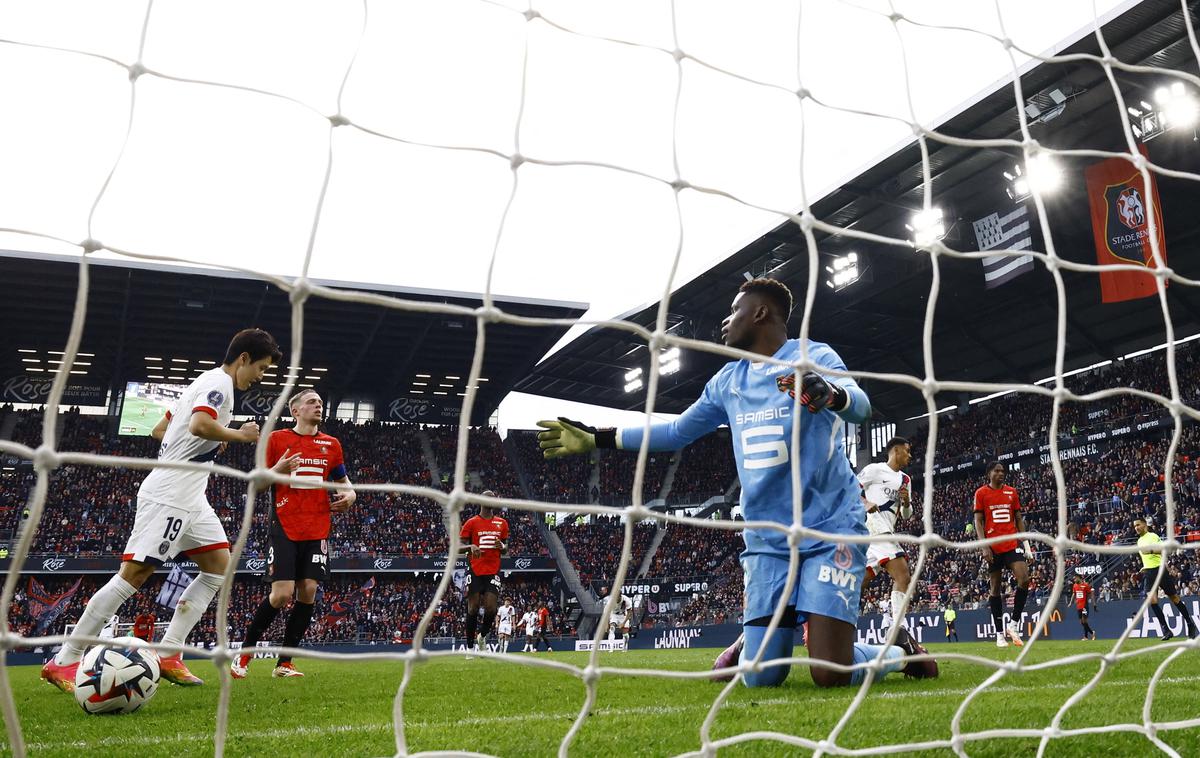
point(1120, 204)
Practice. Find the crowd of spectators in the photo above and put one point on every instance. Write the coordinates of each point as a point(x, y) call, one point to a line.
point(617, 469)
point(1008, 421)
point(595, 547)
point(561, 480)
point(348, 609)
point(90, 509)
point(688, 550)
point(705, 470)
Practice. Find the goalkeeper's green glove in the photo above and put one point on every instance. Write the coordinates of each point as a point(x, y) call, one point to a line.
point(567, 437)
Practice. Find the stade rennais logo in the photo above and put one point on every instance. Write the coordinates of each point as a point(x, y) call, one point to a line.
point(787, 383)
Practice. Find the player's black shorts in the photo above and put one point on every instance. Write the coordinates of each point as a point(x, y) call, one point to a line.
point(1082, 613)
point(1008, 558)
point(292, 560)
point(1166, 586)
point(482, 583)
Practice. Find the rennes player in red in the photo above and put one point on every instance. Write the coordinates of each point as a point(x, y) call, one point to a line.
point(998, 512)
point(485, 537)
point(1082, 591)
point(298, 555)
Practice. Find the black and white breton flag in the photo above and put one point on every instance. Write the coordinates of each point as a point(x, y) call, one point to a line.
point(177, 581)
point(1008, 232)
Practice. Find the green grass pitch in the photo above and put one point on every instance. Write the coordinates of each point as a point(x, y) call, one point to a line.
point(510, 710)
point(132, 420)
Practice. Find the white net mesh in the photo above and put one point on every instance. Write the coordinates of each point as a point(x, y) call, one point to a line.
point(144, 78)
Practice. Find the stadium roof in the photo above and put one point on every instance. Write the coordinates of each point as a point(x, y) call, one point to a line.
point(1006, 334)
point(187, 315)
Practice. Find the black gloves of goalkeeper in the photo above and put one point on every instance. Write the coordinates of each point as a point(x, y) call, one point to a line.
point(817, 394)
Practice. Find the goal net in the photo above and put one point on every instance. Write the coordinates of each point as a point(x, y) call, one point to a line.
point(724, 141)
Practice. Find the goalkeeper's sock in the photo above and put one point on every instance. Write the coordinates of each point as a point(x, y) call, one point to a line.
point(263, 618)
point(99, 610)
point(996, 602)
point(897, 604)
point(297, 625)
point(892, 656)
point(191, 606)
point(1019, 599)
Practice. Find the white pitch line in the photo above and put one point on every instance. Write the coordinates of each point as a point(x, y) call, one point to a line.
point(661, 710)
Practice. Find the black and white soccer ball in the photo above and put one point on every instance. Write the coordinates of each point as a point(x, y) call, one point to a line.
point(113, 680)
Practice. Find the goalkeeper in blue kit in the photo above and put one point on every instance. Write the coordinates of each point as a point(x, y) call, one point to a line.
point(756, 400)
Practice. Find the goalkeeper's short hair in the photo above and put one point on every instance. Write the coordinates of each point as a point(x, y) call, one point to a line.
point(775, 291)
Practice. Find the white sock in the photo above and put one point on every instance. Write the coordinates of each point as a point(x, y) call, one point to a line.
point(897, 603)
point(192, 604)
point(99, 610)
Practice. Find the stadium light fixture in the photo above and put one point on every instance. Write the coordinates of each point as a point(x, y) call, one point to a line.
point(669, 361)
point(1174, 108)
point(633, 380)
point(30, 360)
point(927, 226)
point(843, 271)
point(1042, 174)
point(25, 350)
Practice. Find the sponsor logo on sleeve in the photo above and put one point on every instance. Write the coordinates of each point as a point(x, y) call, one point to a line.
point(216, 399)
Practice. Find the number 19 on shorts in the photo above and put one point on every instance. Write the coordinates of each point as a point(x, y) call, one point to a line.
point(173, 527)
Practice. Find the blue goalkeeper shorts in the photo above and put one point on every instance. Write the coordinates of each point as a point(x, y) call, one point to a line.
point(828, 584)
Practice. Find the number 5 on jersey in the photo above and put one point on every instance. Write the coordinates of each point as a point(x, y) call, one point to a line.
point(776, 448)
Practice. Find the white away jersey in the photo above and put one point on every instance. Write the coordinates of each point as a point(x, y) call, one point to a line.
point(529, 621)
point(211, 393)
point(505, 613)
point(881, 486)
point(624, 606)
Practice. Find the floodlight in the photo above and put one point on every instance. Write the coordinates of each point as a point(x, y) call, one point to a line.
point(927, 226)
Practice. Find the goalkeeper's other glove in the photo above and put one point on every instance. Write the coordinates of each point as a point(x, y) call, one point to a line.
point(817, 394)
point(567, 437)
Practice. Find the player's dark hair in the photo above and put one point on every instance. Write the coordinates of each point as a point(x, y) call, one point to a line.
point(895, 442)
point(993, 465)
point(775, 292)
point(257, 343)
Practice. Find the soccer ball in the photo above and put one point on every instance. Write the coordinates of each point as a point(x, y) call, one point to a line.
point(112, 680)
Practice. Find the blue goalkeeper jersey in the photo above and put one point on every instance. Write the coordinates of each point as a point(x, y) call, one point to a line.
point(756, 400)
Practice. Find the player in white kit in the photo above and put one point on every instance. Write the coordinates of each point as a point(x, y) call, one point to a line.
point(505, 616)
point(173, 515)
point(618, 622)
point(529, 622)
point(886, 496)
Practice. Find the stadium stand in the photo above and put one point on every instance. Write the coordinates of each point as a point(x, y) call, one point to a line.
point(617, 470)
point(563, 480)
point(90, 510)
point(595, 548)
point(692, 550)
point(706, 470)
